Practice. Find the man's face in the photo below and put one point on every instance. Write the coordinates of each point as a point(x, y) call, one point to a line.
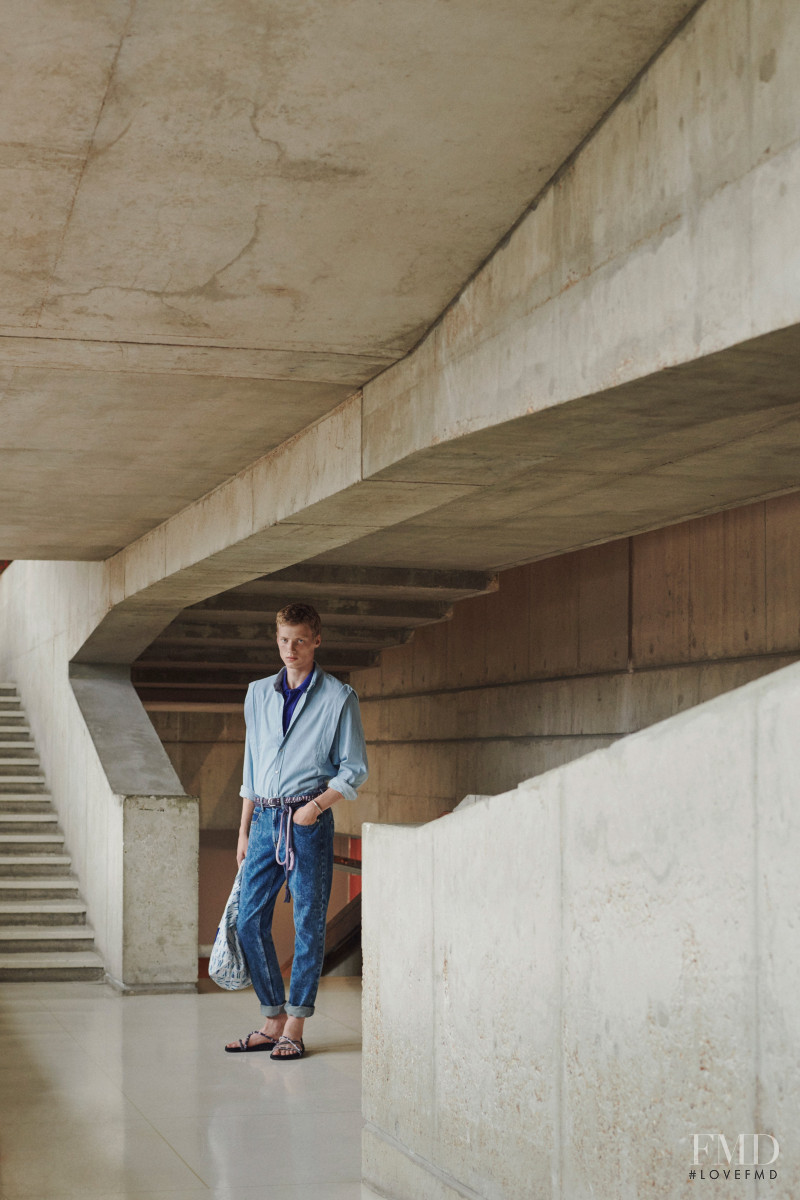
point(297, 644)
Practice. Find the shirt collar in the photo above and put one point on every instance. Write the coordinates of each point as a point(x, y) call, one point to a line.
point(282, 686)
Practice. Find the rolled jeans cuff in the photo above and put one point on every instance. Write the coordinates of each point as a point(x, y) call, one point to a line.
point(272, 1010)
point(299, 1010)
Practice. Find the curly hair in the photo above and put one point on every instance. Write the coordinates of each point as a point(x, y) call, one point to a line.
point(299, 614)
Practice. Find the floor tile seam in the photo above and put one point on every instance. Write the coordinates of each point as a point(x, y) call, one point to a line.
point(19, 1126)
point(135, 1106)
point(84, 1051)
point(53, 1016)
point(256, 1113)
point(37, 1005)
point(167, 1143)
point(339, 1021)
point(241, 1118)
point(106, 1195)
point(350, 1028)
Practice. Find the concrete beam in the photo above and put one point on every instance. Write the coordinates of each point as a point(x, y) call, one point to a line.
point(299, 500)
point(179, 634)
point(383, 581)
point(206, 673)
point(240, 654)
point(252, 605)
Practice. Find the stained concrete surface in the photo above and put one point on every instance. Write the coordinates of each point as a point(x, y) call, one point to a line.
point(598, 377)
point(202, 192)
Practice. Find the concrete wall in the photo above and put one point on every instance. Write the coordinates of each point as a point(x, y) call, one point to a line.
point(564, 983)
point(573, 652)
point(207, 751)
point(130, 827)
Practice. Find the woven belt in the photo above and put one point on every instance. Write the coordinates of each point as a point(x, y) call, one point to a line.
point(286, 804)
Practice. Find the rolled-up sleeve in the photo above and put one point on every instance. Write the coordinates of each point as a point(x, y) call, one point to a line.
point(349, 751)
point(246, 791)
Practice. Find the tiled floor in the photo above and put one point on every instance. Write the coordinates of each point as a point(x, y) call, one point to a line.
point(107, 1097)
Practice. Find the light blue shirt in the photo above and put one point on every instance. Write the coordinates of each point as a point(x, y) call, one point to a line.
point(323, 746)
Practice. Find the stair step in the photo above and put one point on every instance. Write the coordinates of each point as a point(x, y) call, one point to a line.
point(23, 806)
point(43, 930)
point(39, 819)
point(42, 912)
point(21, 783)
point(34, 865)
point(56, 887)
point(28, 822)
point(17, 750)
point(31, 843)
point(27, 939)
point(26, 799)
point(51, 966)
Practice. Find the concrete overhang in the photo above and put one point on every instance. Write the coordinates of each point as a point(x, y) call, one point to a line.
point(627, 358)
point(221, 219)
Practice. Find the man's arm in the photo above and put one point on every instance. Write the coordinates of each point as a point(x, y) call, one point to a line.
point(244, 830)
point(308, 814)
point(246, 791)
point(349, 750)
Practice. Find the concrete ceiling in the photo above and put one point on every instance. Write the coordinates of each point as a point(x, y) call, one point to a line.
point(221, 218)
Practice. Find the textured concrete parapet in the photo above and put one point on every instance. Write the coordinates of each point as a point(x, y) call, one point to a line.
point(160, 839)
point(157, 877)
point(131, 830)
point(564, 984)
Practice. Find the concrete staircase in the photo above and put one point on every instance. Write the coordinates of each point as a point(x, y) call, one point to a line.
point(43, 930)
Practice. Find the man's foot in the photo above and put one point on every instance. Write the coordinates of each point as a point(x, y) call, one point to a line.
point(264, 1038)
point(289, 1048)
point(292, 1032)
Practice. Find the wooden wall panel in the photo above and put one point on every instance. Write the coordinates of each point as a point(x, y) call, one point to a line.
point(467, 664)
point(709, 601)
point(660, 597)
point(428, 649)
point(727, 601)
point(507, 626)
point(723, 586)
point(603, 607)
point(782, 570)
point(554, 615)
point(396, 671)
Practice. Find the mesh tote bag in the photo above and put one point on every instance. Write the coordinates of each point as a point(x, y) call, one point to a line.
point(227, 965)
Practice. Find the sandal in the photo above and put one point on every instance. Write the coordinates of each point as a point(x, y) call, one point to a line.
point(299, 1048)
point(244, 1046)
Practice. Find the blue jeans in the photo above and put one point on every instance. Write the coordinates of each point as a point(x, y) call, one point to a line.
point(310, 887)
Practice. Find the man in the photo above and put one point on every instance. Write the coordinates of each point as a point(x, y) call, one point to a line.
point(304, 751)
